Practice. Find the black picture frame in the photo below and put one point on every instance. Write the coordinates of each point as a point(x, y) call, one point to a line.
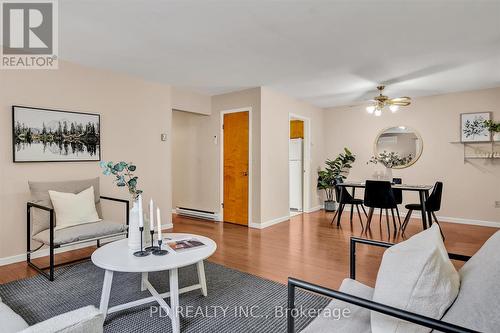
point(91, 151)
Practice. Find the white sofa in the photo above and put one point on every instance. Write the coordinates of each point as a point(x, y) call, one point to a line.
point(475, 308)
point(84, 320)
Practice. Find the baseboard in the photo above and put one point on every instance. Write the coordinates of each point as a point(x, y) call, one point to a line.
point(463, 221)
point(269, 223)
point(459, 220)
point(313, 209)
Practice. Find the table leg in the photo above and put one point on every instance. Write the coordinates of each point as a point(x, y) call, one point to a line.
point(340, 203)
point(174, 300)
point(144, 277)
point(201, 277)
point(106, 290)
point(352, 206)
point(424, 213)
point(429, 213)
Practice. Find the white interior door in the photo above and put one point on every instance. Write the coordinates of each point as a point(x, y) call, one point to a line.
point(296, 174)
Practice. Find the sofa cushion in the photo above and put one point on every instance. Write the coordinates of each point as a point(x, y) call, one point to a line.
point(81, 232)
point(358, 320)
point(477, 304)
point(84, 320)
point(39, 193)
point(74, 209)
point(10, 321)
point(417, 276)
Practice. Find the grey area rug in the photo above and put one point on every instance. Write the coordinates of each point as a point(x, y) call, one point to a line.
point(251, 304)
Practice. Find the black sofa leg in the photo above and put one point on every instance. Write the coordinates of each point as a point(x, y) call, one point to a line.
point(290, 307)
point(51, 268)
point(28, 234)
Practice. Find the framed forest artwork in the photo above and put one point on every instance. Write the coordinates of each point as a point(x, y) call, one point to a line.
point(45, 135)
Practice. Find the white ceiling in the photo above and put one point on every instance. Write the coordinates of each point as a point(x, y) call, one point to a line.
point(326, 52)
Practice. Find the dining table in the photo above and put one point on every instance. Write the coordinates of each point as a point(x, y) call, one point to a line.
point(423, 194)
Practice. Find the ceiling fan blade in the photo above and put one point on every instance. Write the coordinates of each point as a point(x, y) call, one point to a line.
point(376, 73)
point(368, 96)
point(401, 101)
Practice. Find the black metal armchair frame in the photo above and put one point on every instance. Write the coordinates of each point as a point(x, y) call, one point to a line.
point(52, 247)
point(367, 304)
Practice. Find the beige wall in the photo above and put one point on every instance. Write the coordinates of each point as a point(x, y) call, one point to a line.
point(470, 189)
point(200, 134)
point(187, 100)
point(236, 100)
point(275, 128)
point(193, 167)
point(133, 114)
point(197, 185)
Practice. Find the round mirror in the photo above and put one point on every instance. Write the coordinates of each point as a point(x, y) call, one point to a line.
point(397, 147)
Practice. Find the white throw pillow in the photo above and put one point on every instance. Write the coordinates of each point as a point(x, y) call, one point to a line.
point(74, 209)
point(417, 276)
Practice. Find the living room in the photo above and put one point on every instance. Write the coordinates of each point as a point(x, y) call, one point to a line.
point(182, 139)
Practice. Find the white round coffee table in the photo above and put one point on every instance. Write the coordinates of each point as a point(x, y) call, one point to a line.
point(117, 257)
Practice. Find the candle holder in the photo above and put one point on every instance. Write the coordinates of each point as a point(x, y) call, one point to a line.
point(160, 252)
point(141, 253)
point(152, 247)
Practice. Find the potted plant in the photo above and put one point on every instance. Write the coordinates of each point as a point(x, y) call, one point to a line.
point(327, 184)
point(123, 174)
point(335, 169)
point(494, 128)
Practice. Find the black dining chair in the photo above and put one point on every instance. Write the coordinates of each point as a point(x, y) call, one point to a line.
point(432, 204)
point(345, 198)
point(379, 194)
point(398, 195)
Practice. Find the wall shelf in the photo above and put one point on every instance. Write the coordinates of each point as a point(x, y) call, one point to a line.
point(489, 153)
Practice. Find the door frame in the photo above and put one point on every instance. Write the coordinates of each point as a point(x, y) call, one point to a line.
point(306, 157)
point(221, 161)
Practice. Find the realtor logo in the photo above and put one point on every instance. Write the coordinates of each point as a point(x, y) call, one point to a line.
point(29, 34)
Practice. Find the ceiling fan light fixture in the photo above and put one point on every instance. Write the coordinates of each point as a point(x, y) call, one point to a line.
point(393, 108)
point(385, 103)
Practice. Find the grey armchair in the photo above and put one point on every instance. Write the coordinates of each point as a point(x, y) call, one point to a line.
point(475, 309)
point(41, 221)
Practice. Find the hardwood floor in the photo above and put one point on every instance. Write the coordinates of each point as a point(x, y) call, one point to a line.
point(307, 247)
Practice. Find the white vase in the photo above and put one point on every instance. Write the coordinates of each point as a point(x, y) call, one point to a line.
point(388, 174)
point(134, 235)
point(496, 136)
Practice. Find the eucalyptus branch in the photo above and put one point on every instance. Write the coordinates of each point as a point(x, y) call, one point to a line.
point(121, 171)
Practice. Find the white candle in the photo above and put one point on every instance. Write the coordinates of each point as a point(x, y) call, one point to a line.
point(159, 222)
point(151, 216)
point(141, 214)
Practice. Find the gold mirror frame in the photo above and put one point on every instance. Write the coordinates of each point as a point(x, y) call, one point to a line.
point(417, 156)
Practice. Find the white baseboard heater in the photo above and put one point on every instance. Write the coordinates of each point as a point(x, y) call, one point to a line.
point(201, 214)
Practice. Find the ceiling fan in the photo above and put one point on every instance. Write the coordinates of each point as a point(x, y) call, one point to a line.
point(382, 102)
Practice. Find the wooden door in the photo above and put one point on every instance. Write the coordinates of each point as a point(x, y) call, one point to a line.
point(236, 167)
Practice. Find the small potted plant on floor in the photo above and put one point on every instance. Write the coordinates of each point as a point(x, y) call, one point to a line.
point(494, 128)
point(335, 169)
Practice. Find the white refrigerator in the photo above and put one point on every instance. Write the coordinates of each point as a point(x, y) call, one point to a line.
point(296, 173)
